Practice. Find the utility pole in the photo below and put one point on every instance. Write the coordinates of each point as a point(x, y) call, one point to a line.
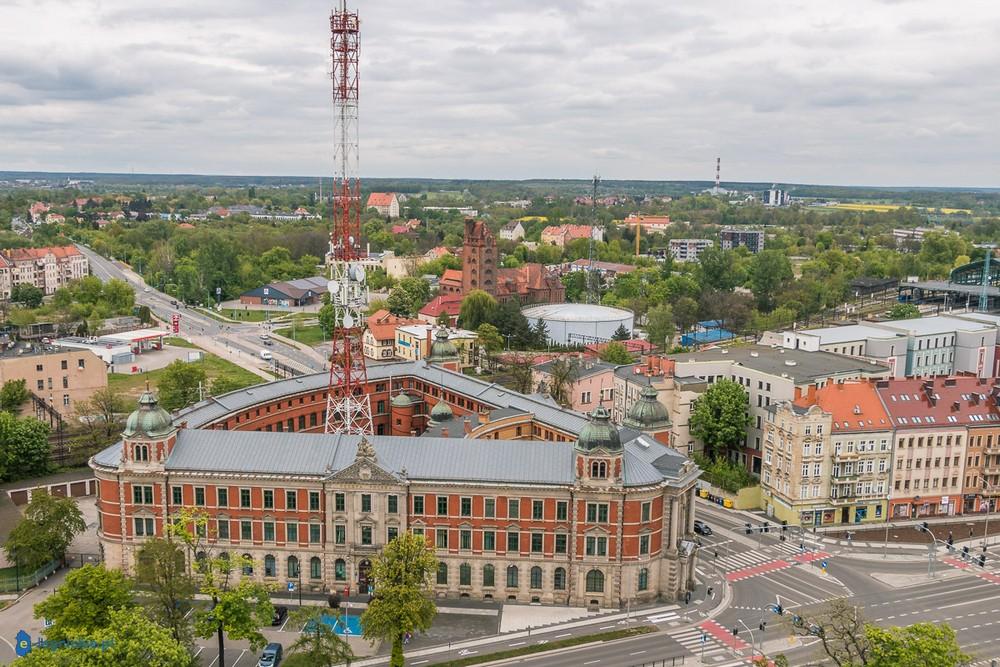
point(592, 289)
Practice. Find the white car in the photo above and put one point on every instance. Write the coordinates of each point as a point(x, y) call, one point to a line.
point(266, 355)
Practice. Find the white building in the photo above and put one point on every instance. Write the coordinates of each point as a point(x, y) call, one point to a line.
point(688, 250)
point(776, 197)
point(512, 231)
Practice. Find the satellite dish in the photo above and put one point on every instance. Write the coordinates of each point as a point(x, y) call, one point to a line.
point(359, 273)
point(348, 321)
point(332, 287)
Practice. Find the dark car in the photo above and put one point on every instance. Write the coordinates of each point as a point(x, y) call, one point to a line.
point(702, 528)
point(271, 656)
point(280, 614)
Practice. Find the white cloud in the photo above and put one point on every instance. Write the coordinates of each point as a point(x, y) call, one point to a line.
point(846, 92)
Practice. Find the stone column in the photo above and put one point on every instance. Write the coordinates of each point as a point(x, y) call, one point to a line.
point(672, 544)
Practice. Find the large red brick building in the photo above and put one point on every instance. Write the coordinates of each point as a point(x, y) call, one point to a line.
point(529, 283)
point(520, 500)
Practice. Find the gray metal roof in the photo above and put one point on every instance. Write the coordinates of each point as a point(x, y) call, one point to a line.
point(492, 394)
point(585, 368)
point(799, 365)
point(423, 459)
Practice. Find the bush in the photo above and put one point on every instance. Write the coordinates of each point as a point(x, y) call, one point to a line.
point(725, 474)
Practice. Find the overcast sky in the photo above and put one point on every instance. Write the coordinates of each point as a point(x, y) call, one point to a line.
point(882, 92)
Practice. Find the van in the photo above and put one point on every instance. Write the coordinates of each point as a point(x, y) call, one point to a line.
point(266, 355)
point(271, 656)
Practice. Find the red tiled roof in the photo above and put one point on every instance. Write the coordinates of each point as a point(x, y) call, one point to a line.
point(854, 406)
point(446, 303)
point(940, 402)
point(452, 277)
point(400, 229)
point(439, 251)
point(383, 324)
point(27, 254)
point(185, 225)
point(380, 199)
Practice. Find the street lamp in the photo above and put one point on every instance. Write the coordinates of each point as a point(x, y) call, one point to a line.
point(298, 575)
point(986, 533)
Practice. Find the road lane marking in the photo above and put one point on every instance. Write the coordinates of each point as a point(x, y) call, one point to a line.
point(565, 634)
point(516, 644)
point(605, 627)
point(212, 664)
point(637, 653)
point(591, 662)
point(200, 649)
point(242, 653)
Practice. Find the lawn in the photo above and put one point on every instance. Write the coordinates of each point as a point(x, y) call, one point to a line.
point(215, 367)
point(310, 335)
point(179, 342)
point(240, 315)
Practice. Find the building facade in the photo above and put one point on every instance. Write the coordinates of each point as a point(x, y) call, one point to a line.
point(48, 269)
point(61, 379)
point(688, 250)
point(386, 203)
point(592, 521)
point(731, 238)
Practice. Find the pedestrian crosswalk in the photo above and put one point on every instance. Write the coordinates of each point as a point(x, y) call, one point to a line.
point(729, 561)
point(738, 561)
point(715, 654)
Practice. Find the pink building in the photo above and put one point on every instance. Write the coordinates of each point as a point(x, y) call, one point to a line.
point(594, 384)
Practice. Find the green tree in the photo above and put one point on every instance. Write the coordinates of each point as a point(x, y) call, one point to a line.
point(401, 605)
point(903, 311)
point(490, 342)
point(145, 315)
point(540, 334)
point(477, 307)
point(45, 531)
point(223, 385)
point(318, 645)
point(717, 269)
point(621, 333)
point(163, 573)
point(400, 303)
point(518, 366)
point(327, 318)
point(615, 353)
point(660, 326)
point(27, 295)
point(562, 375)
point(24, 446)
point(13, 394)
point(770, 272)
point(575, 283)
point(103, 410)
point(129, 638)
point(179, 384)
point(719, 417)
point(685, 311)
point(84, 602)
point(917, 645)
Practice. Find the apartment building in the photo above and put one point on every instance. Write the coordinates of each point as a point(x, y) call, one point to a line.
point(592, 386)
point(414, 341)
point(379, 340)
point(62, 378)
point(731, 238)
point(688, 250)
point(46, 268)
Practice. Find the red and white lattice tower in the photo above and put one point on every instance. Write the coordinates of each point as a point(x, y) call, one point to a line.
point(348, 406)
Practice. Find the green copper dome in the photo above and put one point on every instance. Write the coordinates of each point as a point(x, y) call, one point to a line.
point(599, 433)
point(647, 414)
point(149, 420)
point(402, 400)
point(442, 349)
point(441, 412)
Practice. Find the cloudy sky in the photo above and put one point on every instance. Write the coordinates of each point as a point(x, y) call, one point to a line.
point(886, 92)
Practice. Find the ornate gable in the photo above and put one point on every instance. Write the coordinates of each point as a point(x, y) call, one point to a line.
point(365, 468)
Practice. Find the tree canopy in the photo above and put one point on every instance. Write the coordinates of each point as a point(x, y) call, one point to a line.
point(720, 417)
point(84, 602)
point(45, 531)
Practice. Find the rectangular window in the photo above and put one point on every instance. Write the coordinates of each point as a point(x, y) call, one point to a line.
point(418, 504)
point(489, 540)
point(315, 533)
point(561, 543)
point(144, 526)
point(537, 509)
point(465, 539)
point(392, 504)
point(391, 533)
point(366, 502)
point(199, 496)
point(647, 509)
point(339, 502)
point(291, 532)
point(142, 495)
point(597, 546)
point(246, 531)
point(268, 499)
point(366, 535)
point(513, 508)
point(466, 506)
point(441, 537)
point(597, 512)
point(561, 510)
point(442, 505)
point(222, 497)
point(244, 497)
point(644, 544)
point(314, 501)
point(269, 531)
point(490, 508)
point(291, 500)
point(222, 529)
point(513, 541)
point(177, 495)
point(536, 543)
point(340, 533)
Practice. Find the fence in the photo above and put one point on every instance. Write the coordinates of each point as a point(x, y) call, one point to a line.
point(666, 662)
point(20, 581)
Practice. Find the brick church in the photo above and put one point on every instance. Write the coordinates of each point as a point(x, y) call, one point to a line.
point(528, 284)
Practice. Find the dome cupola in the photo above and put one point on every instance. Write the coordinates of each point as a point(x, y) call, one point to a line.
point(599, 433)
point(149, 421)
point(647, 413)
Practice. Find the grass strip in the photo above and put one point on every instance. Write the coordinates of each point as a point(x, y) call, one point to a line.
point(550, 646)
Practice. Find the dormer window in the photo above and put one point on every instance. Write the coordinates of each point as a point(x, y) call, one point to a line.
point(140, 452)
point(598, 469)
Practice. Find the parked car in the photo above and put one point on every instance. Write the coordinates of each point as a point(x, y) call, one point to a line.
point(267, 341)
point(265, 336)
point(280, 614)
point(702, 528)
point(266, 355)
point(271, 656)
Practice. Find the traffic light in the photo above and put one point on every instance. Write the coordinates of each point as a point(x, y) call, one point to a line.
point(749, 528)
point(709, 592)
point(925, 527)
point(766, 526)
point(779, 610)
point(982, 560)
point(736, 632)
point(763, 624)
point(965, 552)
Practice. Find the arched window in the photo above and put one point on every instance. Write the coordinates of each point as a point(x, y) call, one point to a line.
point(247, 564)
point(464, 574)
point(643, 579)
point(489, 576)
point(598, 469)
point(293, 567)
point(141, 453)
point(269, 568)
point(559, 579)
point(340, 570)
point(315, 568)
point(512, 576)
point(536, 577)
point(442, 574)
point(595, 581)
